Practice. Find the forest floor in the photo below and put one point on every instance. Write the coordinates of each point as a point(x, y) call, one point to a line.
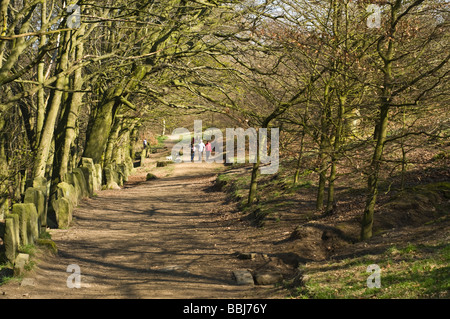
point(182, 236)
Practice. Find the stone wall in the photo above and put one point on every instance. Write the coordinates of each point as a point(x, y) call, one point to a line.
point(115, 175)
point(81, 183)
point(24, 223)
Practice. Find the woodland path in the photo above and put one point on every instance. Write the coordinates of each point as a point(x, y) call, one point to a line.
point(162, 238)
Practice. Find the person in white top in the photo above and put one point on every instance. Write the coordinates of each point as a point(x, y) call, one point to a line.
point(201, 148)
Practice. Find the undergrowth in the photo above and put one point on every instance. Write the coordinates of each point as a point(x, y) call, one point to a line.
point(414, 271)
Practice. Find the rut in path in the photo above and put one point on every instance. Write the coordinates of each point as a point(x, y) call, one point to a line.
point(159, 239)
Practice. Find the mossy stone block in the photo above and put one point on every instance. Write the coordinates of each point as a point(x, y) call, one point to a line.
point(63, 209)
point(93, 172)
point(89, 178)
point(98, 175)
point(28, 222)
point(19, 264)
point(70, 179)
point(68, 191)
point(11, 238)
point(123, 169)
point(112, 177)
point(36, 196)
point(33, 225)
point(40, 182)
point(20, 210)
point(79, 175)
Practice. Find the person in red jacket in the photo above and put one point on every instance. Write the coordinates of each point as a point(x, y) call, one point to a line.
point(208, 150)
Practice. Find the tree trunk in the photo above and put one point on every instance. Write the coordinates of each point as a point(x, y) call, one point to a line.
point(372, 184)
point(19, 45)
point(74, 103)
point(299, 160)
point(4, 194)
point(100, 129)
point(254, 177)
point(101, 124)
point(254, 181)
point(322, 179)
point(51, 116)
point(112, 140)
point(300, 155)
point(133, 138)
point(381, 128)
point(335, 152)
point(40, 113)
point(324, 147)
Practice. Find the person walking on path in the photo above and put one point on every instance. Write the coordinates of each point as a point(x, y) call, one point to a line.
point(208, 150)
point(201, 148)
point(192, 151)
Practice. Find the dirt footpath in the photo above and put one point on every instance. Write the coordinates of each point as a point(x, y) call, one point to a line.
point(163, 238)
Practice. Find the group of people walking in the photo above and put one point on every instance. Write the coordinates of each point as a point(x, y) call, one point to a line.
point(199, 148)
point(196, 148)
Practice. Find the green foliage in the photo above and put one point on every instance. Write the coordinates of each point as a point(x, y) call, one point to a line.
point(8, 278)
point(48, 244)
point(28, 249)
point(414, 271)
point(161, 139)
point(235, 185)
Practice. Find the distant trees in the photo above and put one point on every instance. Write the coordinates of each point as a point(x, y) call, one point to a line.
point(370, 71)
point(338, 69)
